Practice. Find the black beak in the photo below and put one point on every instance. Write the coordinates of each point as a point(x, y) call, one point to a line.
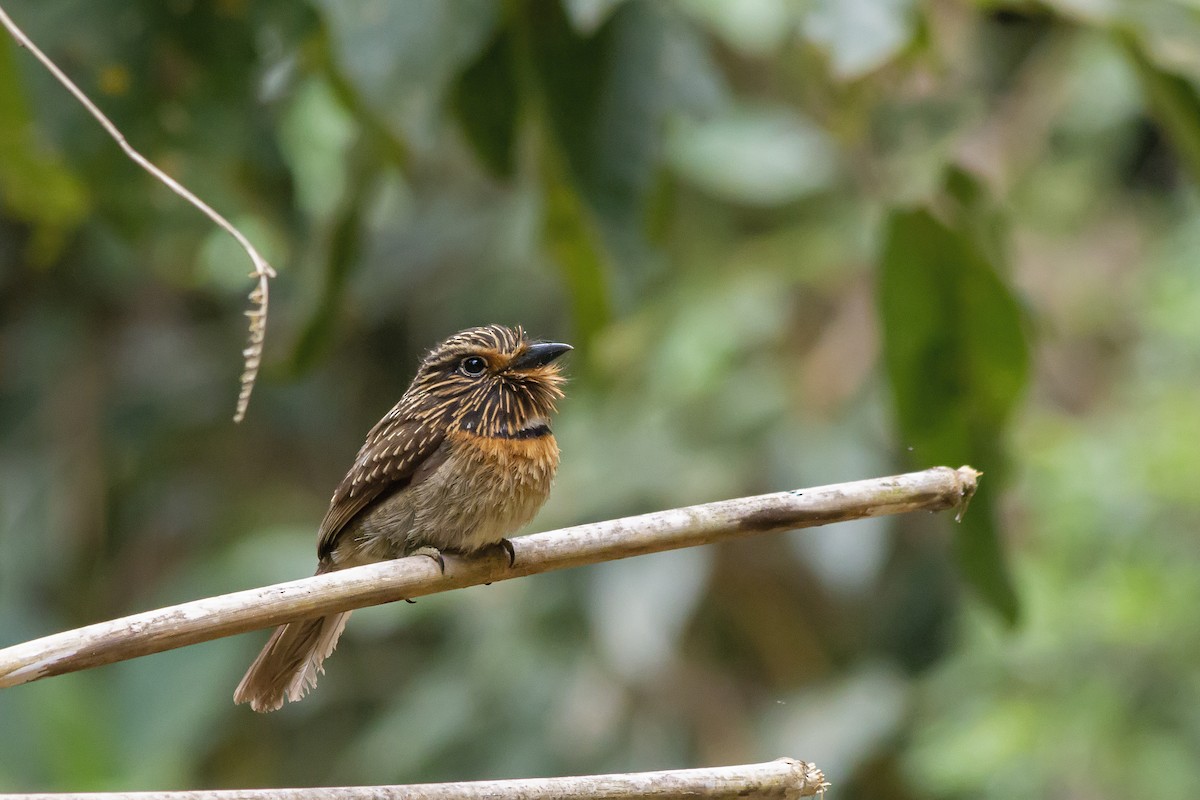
point(539, 354)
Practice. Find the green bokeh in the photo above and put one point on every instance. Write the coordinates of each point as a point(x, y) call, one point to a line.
point(794, 243)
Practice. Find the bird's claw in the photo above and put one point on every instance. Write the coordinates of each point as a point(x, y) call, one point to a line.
point(507, 546)
point(434, 553)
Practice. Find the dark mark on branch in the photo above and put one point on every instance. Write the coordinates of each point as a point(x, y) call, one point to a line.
point(782, 519)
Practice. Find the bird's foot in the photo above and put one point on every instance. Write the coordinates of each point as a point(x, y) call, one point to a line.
point(434, 553)
point(507, 546)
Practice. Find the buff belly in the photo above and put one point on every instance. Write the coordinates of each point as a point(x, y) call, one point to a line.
point(482, 492)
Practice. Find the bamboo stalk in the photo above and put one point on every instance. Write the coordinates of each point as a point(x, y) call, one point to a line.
point(782, 779)
point(935, 489)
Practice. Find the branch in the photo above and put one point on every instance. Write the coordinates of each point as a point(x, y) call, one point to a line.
point(252, 355)
point(784, 778)
point(934, 489)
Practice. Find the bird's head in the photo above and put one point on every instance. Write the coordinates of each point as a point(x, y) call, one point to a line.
point(491, 381)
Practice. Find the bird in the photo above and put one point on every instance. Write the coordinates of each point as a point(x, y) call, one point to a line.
point(464, 459)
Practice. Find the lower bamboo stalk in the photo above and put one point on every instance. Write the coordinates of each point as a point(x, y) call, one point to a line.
point(936, 489)
point(782, 779)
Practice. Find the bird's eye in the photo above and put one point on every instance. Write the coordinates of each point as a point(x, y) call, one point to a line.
point(472, 366)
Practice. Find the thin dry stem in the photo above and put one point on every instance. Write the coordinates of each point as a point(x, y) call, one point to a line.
point(934, 489)
point(263, 271)
point(782, 779)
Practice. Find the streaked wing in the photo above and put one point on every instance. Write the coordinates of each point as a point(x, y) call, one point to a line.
point(395, 449)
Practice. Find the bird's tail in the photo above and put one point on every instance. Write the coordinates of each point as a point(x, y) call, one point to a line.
point(291, 661)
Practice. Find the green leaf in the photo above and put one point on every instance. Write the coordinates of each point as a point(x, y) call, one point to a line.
point(861, 35)
point(593, 178)
point(955, 350)
point(570, 70)
point(757, 157)
point(1174, 103)
point(606, 98)
point(588, 15)
point(35, 185)
point(957, 360)
point(982, 559)
point(485, 100)
point(401, 58)
point(757, 28)
point(573, 240)
point(346, 236)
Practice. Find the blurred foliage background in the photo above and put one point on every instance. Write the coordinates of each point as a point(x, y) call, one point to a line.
point(794, 242)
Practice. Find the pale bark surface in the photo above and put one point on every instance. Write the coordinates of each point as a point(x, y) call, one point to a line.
point(782, 779)
point(935, 489)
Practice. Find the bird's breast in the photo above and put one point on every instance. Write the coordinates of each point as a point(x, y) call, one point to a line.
point(484, 491)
